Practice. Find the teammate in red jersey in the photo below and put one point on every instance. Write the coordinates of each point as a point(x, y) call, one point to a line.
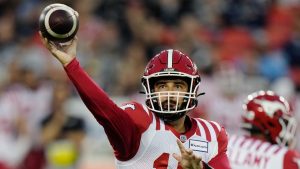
point(271, 126)
point(158, 134)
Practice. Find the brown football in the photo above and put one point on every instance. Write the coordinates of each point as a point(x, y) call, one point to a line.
point(58, 23)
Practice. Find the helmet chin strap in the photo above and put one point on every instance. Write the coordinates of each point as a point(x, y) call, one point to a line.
point(175, 116)
point(170, 117)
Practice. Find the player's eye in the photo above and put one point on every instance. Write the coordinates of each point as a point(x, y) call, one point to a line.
point(179, 87)
point(161, 86)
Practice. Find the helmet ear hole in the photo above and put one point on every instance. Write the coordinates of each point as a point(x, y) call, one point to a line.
point(277, 114)
point(155, 100)
point(195, 102)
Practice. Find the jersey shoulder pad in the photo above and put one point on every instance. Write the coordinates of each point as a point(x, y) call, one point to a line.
point(138, 113)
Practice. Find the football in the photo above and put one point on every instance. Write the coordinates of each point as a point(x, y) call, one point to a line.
point(58, 23)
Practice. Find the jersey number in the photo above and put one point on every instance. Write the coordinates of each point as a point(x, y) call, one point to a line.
point(162, 162)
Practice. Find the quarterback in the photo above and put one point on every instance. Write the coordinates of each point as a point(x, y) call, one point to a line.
point(271, 127)
point(158, 134)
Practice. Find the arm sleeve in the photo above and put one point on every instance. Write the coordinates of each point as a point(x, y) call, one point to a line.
point(121, 130)
point(291, 160)
point(220, 161)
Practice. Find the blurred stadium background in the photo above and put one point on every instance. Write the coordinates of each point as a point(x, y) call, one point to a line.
point(240, 46)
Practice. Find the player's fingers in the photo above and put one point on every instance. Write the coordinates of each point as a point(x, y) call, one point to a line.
point(44, 41)
point(53, 49)
point(57, 53)
point(40, 33)
point(181, 146)
point(189, 151)
point(197, 159)
point(74, 41)
point(198, 165)
point(48, 44)
point(177, 157)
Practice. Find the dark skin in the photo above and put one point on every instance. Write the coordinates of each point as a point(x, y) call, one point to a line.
point(187, 159)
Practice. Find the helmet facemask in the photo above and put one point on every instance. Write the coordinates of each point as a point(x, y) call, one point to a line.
point(171, 105)
point(287, 135)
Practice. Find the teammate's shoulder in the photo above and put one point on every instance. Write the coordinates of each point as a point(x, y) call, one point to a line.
point(293, 153)
point(292, 159)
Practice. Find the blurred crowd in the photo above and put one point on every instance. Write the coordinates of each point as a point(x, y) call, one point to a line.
point(240, 46)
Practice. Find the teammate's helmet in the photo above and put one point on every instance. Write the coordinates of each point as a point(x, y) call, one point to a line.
point(171, 64)
point(269, 113)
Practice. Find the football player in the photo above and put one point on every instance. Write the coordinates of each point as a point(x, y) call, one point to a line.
point(271, 127)
point(158, 134)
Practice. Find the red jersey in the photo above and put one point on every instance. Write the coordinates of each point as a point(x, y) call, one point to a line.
point(249, 153)
point(139, 138)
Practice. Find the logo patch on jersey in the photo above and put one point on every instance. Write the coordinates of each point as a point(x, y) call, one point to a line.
point(198, 145)
point(182, 138)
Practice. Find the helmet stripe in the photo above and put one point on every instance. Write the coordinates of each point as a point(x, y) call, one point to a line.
point(170, 58)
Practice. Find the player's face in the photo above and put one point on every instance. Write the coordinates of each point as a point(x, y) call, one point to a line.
point(171, 92)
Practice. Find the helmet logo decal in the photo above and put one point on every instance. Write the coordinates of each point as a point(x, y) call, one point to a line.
point(170, 58)
point(270, 107)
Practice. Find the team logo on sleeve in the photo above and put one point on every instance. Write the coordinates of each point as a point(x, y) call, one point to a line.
point(128, 106)
point(198, 145)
